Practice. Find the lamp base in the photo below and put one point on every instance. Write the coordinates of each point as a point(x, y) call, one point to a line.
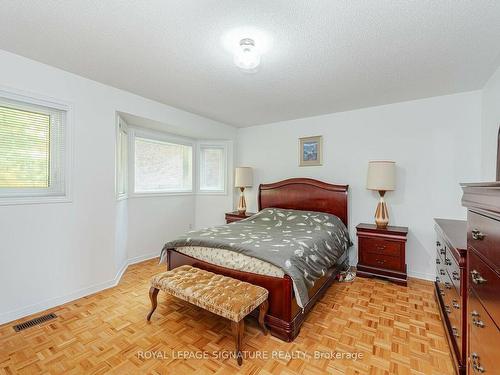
point(381, 213)
point(242, 204)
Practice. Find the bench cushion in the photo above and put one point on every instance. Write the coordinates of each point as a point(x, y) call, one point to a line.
point(233, 299)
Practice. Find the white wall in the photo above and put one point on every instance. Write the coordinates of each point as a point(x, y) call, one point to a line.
point(52, 253)
point(434, 142)
point(490, 125)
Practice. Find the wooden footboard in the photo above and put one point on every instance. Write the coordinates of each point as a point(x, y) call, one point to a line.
point(284, 316)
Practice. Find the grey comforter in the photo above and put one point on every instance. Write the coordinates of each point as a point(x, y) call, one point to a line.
point(303, 244)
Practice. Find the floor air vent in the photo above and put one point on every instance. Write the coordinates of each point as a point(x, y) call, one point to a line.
point(34, 322)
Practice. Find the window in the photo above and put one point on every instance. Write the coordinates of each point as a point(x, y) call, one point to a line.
point(161, 166)
point(121, 159)
point(33, 148)
point(212, 168)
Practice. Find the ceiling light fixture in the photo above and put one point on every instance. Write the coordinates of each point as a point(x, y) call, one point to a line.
point(247, 57)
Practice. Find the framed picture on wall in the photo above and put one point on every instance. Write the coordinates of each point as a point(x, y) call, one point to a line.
point(310, 151)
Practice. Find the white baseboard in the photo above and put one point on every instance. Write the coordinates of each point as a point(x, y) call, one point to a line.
point(9, 316)
point(421, 275)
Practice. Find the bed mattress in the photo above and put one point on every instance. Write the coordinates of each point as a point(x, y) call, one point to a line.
point(232, 260)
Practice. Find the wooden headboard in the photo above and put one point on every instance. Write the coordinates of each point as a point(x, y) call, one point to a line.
point(305, 194)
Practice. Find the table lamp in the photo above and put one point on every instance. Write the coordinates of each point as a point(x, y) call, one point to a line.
point(242, 179)
point(381, 177)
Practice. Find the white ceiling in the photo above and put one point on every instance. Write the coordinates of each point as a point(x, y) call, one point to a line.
point(326, 55)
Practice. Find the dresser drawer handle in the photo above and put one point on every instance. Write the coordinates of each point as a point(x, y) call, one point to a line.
point(477, 278)
point(442, 293)
point(442, 251)
point(478, 323)
point(475, 363)
point(477, 235)
point(447, 309)
point(381, 247)
point(438, 244)
point(438, 261)
point(447, 285)
point(456, 276)
point(455, 304)
point(438, 279)
point(447, 262)
point(455, 331)
point(441, 272)
point(474, 313)
point(380, 261)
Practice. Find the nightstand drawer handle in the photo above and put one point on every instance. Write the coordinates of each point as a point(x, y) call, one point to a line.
point(477, 235)
point(477, 278)
point(478, 322)
point(381, 247)
point(380, 261)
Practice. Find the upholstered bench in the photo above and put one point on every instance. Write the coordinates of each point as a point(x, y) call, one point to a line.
point(230, 298)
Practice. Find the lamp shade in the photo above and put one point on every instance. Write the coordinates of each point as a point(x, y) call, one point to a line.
point(243, 177)
point(381, 175)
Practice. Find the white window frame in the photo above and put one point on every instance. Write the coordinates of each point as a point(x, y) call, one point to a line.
point(44, 195)
point(211, 144)
point(121, 128)
point(162, 137)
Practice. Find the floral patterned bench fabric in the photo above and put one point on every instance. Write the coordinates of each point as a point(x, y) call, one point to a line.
point(233, 299)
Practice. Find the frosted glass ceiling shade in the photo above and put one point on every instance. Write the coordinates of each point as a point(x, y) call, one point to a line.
point(243, 177)
point(381, 175)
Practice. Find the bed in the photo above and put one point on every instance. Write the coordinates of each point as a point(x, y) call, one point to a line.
point(285, 316)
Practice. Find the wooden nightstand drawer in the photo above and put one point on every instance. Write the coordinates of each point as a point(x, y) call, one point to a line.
point(382, 261)
point(380, 246)
point(231, 217)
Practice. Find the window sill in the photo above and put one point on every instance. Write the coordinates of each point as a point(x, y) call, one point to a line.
point(122, 197)
point(164, 194)
point(8, 201)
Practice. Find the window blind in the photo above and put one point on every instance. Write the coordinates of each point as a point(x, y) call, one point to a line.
point(212, 168)
point(162, 166)
point(32, 148)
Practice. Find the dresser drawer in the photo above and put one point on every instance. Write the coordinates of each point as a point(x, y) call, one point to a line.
point(440, 248)
point(486, 284)
point(453, 272)
point(380, 246)
point(453, 310)
point(383, 261)
point(484, 339)
point(483, 234)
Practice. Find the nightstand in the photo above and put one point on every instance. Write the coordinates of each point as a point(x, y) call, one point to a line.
point(381, 252)
point(231, 217)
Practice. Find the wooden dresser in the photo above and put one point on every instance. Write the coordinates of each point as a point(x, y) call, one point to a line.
point(483, 258)
point(451, 285)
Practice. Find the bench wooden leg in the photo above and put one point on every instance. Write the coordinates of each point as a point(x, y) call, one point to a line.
point(264, 306)
point(153, 294)
point(238, 329)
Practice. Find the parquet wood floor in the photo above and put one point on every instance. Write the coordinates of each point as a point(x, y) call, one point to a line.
point(397, 329)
